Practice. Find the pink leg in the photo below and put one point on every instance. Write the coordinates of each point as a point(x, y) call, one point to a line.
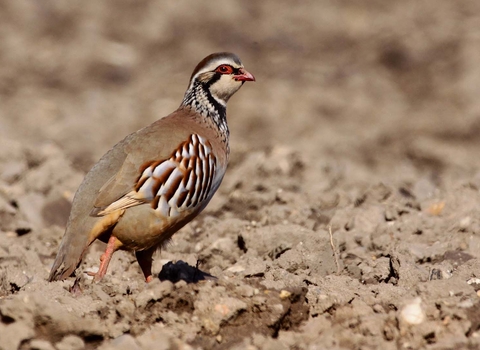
point(145, 260)
point(112, 246)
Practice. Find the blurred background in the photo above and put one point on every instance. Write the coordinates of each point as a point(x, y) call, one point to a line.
point(392, 86)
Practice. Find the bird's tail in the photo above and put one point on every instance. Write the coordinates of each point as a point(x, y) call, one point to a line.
point(69, 256)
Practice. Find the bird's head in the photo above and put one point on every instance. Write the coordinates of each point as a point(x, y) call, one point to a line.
point(221, 74)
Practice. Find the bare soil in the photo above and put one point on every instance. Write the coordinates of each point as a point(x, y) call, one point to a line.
point(348, 218)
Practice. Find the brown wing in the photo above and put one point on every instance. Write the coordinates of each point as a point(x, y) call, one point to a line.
point(153, 142)
point(156, 143)
point(171, 185)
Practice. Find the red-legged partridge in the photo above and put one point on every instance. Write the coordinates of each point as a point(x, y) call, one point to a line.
point(157, 179)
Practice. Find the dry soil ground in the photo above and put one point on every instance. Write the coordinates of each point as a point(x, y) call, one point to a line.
point(348, 218)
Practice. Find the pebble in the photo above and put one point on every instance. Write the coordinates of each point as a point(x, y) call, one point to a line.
point(123, 342)
point(39, 344)
point(465, 223)
point(378, 309)
point(285, 294)
point(412, 313)
point(473, 280)
point(70, 342)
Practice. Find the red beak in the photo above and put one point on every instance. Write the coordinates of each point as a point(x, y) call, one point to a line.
point(244, 75)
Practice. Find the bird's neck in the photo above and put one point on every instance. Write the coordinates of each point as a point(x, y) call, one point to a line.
point(199, 98)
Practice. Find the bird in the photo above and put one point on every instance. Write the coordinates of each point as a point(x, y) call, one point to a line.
point(157, 179)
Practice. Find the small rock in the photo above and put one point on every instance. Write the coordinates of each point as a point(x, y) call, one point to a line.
point(70, 342)
point(39, 344)
point(285, 294)
point(123, 342)
point(412, 313)
point(236, 269)
point(465, 304)
point(436, 209)
point(390, 215)
point(473, 280)
point(378, 309)
point(464, 223)
point(210, 326)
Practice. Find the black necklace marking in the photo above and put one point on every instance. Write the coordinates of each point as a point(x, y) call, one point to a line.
point(199, 98)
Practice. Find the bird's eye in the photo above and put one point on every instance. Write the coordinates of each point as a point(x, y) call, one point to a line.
point(224, 69)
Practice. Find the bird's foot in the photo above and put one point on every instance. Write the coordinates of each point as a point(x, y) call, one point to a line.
point(112, 246)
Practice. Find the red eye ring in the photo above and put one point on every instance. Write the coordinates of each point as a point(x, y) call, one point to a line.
point(224, 69)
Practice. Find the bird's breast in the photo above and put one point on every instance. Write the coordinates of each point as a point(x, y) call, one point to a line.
point(173, 191)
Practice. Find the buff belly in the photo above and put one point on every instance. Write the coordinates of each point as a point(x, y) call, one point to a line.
point(140, 229)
